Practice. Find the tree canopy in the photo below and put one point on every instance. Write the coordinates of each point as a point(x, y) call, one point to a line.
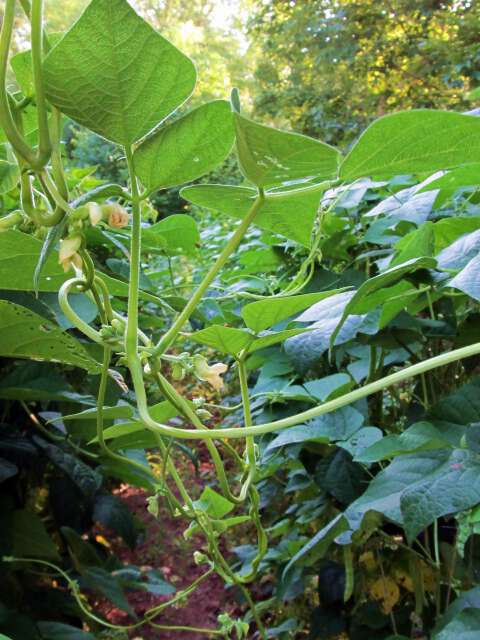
point(328, 67)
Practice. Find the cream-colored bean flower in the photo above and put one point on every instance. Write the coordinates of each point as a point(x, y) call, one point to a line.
point(68, 255)
point(117, 217)
point(94, 213)
point(209, 373)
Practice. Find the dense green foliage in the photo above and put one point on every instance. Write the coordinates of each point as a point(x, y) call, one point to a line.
point(337, 294)
point(327, 68)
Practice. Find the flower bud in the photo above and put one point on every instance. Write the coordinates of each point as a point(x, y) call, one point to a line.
point(199, 557)
point(178, 372)
point(203, 414)
point(116, 216)
point(94, 213)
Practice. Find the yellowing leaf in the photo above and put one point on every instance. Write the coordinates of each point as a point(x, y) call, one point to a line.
point(367, 559)
point(404, 579)
point(387, 592)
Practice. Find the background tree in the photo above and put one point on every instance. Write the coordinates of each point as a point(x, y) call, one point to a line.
point(327, 67)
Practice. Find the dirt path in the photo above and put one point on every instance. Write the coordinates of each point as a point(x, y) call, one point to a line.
point(161, 546)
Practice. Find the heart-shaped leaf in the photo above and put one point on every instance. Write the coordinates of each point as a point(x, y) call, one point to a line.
point(234, 341)
point(374, 291)
point(291, 215)
point(24, 334)
point(410, 142)
point(263, 314)
point(270, 157)
point(186, 149)
point(116, 75)
point(174, 234)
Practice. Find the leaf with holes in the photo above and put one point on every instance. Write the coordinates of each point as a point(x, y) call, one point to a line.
point(24, 334)
point(270, 157)
point(113, 73)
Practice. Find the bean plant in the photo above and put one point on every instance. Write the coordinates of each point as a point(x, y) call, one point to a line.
point(117, 77)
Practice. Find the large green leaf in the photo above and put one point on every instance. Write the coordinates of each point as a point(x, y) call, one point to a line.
point(410, 142)
point(329, 387)
point(455, 179)
point(304, 350)
point(468, 279)
point(467, 600)
point(316, 548)
point(108, 585)
point(130, 435)
point(416, 489)
point(417, 243)
point(113, 513)
point(234, 341)
point(465, 626)
point(19, 255)
point(84, 477)
point(30, 538)
point(116, 75)
point(186, 149)
point(339, 476)
point(271, 157)
point(337, 426)
point(421, 436)
point(61, 631)
point(377, 290)
point(120, 412)
point(24, 334)
point(460, 407)
point(458, 253)
point(450, 229)
point(263, 314)
point(174, 234)
point(39, 381)
point(291, 215)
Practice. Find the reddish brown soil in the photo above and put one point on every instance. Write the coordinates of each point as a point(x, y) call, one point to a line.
point(162, 546)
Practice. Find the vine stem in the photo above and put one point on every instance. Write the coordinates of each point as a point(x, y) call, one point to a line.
point(6, 119)
point(229, 248)
point(44, 143)
point(327, 407)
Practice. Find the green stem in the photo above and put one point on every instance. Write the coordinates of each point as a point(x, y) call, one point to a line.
point(131, 337)
point(229, 248)
point(44, 144)
point(327, 407)
point(186, 410)
point(100, 403)
point(207, 632)
point(6, 119)
point(10, 220)
point(247, 413)
point(349, 574)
